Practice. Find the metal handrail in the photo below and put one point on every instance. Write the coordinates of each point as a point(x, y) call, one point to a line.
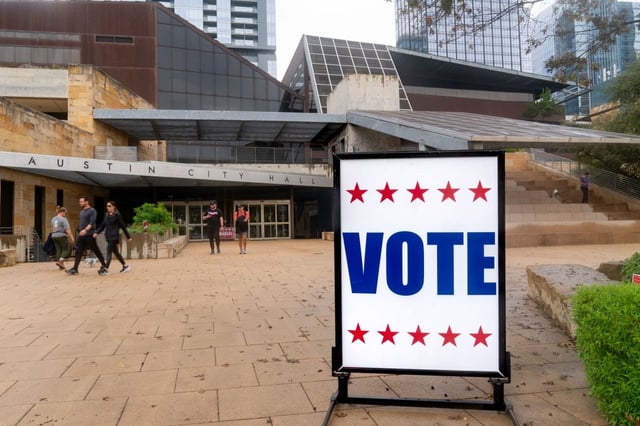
point(620, 183)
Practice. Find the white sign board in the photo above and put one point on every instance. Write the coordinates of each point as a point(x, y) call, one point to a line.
point(421, 269)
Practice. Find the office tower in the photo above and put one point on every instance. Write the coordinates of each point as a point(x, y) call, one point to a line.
point(499, 44)
point(602, 65)
point(248, 27)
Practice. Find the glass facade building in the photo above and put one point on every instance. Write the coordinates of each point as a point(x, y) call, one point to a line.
point(247, 27)
point(499, 44)
point(603, 65)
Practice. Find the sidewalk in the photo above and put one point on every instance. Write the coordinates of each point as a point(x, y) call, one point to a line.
point(245, 340)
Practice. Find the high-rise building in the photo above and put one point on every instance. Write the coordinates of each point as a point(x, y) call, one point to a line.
point(248, 27)
point(602, 65)
point(498, 43)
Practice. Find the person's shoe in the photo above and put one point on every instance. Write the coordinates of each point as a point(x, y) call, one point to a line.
point(218, 250)
point(211, 252)
point(71, 271)
point(102, 271)
point(125, 268)
point(60, 265)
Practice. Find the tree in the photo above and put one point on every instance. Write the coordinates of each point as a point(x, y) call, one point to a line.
point(599, 25)
point(543, 107)
point(625, 92)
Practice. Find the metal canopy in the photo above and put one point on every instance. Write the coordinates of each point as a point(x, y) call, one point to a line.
point(461, 130)
point(424, 70)
point(223, 126)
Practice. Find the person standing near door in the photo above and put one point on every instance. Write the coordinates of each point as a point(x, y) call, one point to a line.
point(241, 220)
point(215, 221)
point(85, 241)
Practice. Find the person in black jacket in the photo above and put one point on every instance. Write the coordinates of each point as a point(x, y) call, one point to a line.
point(111, 225)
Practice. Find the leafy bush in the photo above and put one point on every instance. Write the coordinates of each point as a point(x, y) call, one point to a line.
point(158, 218)
point(608, 342)
point(631, 266)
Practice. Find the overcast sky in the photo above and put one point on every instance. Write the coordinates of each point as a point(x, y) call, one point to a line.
point(360, 20)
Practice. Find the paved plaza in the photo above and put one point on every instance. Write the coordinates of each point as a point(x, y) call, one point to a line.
point(245, 340)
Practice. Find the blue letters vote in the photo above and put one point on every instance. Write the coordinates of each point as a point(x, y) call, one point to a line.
point(364, 264)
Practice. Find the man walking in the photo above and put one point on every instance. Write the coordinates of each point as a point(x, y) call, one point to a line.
point(85, 240)
point(215, 221)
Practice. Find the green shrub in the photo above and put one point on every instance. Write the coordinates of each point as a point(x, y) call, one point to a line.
point(631, 266)
point(157, 216)
point(608, 342)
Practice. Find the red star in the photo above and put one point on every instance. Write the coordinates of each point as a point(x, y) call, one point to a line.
point(418, 336)
point(356, 193)
point(481, 337)
point(448, 192)
point(479, 192)
point(449, 337)
point(386, 192)
point(387, 335)
point(358, 334)
point(417, 192)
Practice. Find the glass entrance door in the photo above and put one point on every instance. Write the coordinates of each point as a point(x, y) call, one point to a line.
point(268, 219)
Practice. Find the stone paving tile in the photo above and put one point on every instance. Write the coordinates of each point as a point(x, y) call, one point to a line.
point(179, 359)
point(577, 402)
point(25, 370)
point(142, 344)
point(18, 339)
point(218, 377)
point(114, 364)
point(228, 355)
point(188, 329)
point(171, 409)
point(439, 388)
point(67, 337)
point(47, 390)
point(11, 415)
point(76, 413)
point(204, 341)
point(311, 419)
point(275, 400)
point(292, 371)
point(84, 349)
point(312, 349)
point(25, 353)
point(133, 384)
point(291, 334)
point(531, 406)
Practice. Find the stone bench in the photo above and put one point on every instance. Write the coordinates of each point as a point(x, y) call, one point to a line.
point(7, 257)
point(552, 287)
point(168, 249)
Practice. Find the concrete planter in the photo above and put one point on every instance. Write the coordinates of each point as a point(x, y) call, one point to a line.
point(143, 245)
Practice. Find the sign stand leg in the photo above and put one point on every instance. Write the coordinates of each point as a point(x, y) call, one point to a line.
point(340, 396)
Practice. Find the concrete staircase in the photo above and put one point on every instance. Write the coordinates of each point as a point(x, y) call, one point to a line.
point(535, 217)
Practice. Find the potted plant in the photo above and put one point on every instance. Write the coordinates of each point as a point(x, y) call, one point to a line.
point(152, 224)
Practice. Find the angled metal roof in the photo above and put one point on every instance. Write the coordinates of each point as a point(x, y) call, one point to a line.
point(223, 126)
point(461, 130)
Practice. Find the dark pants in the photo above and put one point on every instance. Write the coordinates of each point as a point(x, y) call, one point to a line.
point(62, 247)
point(112, 248)
point(213, 233)
point(85, 243)
point(585, 194)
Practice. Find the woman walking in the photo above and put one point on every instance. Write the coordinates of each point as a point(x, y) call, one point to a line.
point(62, 236)
point(111, 225)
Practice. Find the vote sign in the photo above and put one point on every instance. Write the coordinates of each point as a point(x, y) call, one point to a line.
point(420, 263)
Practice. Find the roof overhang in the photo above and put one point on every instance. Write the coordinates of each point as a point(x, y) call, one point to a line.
point(468, 131)
point(240, 127)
